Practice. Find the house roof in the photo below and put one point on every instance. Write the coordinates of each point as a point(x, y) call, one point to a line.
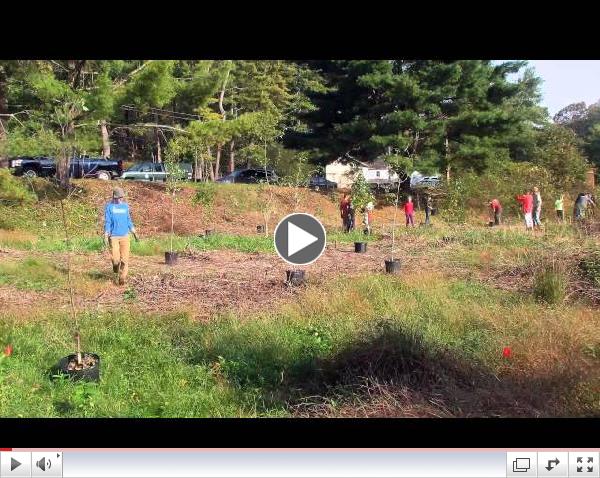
point(378, 164)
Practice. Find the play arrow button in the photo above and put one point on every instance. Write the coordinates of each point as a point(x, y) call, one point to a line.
point(14, 464)
point(299, 239)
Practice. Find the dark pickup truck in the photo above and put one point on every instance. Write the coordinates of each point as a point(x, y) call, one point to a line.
point(99, 168)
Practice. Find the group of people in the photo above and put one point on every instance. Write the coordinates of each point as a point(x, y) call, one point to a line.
point(348, 214)
point(531, 205)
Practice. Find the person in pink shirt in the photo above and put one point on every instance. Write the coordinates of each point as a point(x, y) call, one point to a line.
point(409, 209)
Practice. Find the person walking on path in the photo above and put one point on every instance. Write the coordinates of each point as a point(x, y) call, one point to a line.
point(537, 207)
point(345, 212)
point(428, 209)
point(496, 211)
point(409, 209)
point(526, 201)
point(559, 207)
point(117, 226)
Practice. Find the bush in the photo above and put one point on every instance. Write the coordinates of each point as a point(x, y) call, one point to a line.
point(205, 194)
point(550, 284)
point(503, 181)
point(13, 190)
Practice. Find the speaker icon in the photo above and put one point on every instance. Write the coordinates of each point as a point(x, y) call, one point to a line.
point(43, 464)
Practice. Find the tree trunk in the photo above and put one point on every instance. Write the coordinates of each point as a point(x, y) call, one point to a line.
point(210, 169)
point(218, 161)
point(158, 149)
point(231, 156)
point(447, 160)
point(62, 169)
point(105, 140)
point(3, 107)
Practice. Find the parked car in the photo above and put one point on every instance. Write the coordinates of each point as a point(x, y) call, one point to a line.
point(250, 176)
point(99, 168)
point(320, 182)
point(149, 171)
point(426, 182)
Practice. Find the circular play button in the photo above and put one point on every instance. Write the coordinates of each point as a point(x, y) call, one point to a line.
point(299, 239)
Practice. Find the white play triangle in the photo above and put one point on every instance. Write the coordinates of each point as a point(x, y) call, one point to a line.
point(298, 239)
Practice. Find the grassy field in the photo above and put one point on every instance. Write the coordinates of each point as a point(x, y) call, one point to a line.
point(437, 337)
point(481, 322)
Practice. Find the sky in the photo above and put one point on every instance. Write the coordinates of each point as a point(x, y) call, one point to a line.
point(568, 81)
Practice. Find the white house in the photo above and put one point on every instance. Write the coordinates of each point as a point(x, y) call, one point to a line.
point(344, 174)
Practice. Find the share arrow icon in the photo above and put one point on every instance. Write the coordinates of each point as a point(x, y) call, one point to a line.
point(550, 467)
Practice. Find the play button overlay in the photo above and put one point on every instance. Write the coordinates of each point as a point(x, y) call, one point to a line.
point(300, 239)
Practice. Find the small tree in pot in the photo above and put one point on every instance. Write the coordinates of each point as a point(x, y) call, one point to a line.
point(174, 175)
point(399, 165)
point(361, 197)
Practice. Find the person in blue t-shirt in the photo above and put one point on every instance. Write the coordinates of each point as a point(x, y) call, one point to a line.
point(117, 226)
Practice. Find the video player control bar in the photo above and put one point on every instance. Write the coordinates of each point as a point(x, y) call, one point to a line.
point(297, 463)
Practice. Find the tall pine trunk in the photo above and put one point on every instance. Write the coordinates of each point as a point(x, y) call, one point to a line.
point(447, 160)
point(231, 167)
point(105, 139)
point(3, 108)
point(218, 160)
point(210, 168)
point(158, 148)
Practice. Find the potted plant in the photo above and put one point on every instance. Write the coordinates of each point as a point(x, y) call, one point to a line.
point(174, 175)
point(80, 365)
point(400, 165)
point(392, 265)
point(361, 197)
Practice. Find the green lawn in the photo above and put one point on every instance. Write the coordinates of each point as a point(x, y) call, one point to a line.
point(425, 332)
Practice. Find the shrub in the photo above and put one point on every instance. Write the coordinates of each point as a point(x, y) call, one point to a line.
point(14, 190)
point(550, 284)
point(205, 194)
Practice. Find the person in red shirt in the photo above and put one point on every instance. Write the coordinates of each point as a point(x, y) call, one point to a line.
point(409, 209)
point(497, 211)
point(526, 201)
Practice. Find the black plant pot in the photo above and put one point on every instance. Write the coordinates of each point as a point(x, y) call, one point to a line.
point(360, 247)
point(294, 277)
point(260, 229)
point(171, 258)
point(209, 232)
point(392, 266)
point(90, 372)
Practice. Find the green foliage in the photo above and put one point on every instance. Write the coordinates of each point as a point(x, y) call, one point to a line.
point(585, 123)
point(402, 165)
point(14, 191)
point(154, 86)
point(558, 151)
point(550, 284)
point(462, 114)
point(361, 192)
point(205, 194)
point(503, 181)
